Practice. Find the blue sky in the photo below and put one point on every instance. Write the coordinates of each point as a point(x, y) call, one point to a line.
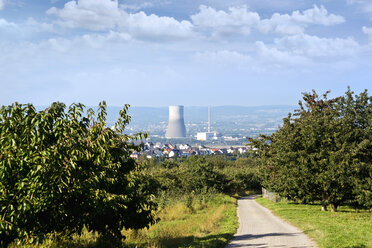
point(165, 52)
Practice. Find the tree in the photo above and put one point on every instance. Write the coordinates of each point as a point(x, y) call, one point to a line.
point(200, 175)
point(322, 152)
point(60, 171)
point(356, 140)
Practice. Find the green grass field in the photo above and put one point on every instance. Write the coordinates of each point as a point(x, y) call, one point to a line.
point(208, 222)
point(344, 229)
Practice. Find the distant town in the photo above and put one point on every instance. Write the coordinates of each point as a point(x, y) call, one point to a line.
point(159, 150)
point(175, 139)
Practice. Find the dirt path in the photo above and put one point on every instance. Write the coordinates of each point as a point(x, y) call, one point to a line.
point(260, 228)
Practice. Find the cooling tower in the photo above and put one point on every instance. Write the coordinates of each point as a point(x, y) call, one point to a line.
point(176, 124)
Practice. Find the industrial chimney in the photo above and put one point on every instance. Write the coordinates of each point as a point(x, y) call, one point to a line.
point(176, 124)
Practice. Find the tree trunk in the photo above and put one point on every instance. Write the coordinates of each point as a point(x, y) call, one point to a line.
point(324, 200)
point(333, 207)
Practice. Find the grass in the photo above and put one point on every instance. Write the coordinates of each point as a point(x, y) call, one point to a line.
point(347, 228)
point(205, 222)
point(242, 193)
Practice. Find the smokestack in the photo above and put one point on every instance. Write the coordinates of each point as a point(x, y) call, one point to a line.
point(176, 124)
point(209, 119)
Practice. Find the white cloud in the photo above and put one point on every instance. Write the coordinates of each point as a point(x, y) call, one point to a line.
point(314, 46)
point(237, 19)
point(241, 20)
point(39, 26)
point(147, 26)
point(137, 6)
point(31, 25)
point(297, 21)
point(9, 30)
point(264, 57)
point(2, 3)
point(86, 41)
point(103, 15)
point(272, 56)
point(304, 51)
point(89, 14)
point(317, 15)
point(367, 31)
point(5, 24)
point(24, 31)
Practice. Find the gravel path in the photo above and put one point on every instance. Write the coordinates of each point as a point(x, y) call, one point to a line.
point(260, 228)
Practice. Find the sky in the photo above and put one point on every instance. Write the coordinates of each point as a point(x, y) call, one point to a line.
point(176, 52)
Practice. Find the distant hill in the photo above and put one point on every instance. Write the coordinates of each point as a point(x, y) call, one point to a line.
point(226, 119)
point(200, 114)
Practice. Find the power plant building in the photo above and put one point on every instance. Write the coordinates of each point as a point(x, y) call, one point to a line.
point(176, 124)
point(206, 136)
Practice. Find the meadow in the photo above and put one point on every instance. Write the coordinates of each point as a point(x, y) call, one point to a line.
point(347, 228)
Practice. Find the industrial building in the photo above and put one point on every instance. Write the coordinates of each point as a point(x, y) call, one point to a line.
point(205, 136)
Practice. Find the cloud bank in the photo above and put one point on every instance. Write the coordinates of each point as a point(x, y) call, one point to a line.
point(241, 20)
point(115, 49)
point(103, 15)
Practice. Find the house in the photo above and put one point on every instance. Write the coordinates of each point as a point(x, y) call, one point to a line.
point(149, 146)
point(230, 150)
point(135, 155)
point(174, 153)
point(184, 146)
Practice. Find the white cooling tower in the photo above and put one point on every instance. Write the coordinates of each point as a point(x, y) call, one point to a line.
point(176, 124)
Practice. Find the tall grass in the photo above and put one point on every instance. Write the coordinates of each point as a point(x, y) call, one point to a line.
point(206, 222)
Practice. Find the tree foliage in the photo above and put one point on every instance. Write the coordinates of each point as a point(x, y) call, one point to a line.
point(203, 174)
point(61, 170)
point(323, 152)
point(199, 174)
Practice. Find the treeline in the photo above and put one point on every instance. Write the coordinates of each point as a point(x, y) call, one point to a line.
point(203, 174)
point(322, 153)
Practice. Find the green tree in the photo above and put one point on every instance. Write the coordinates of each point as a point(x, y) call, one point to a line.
point(60, 171)
point(200, 175)
point(356, 143)
point(322, 152)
